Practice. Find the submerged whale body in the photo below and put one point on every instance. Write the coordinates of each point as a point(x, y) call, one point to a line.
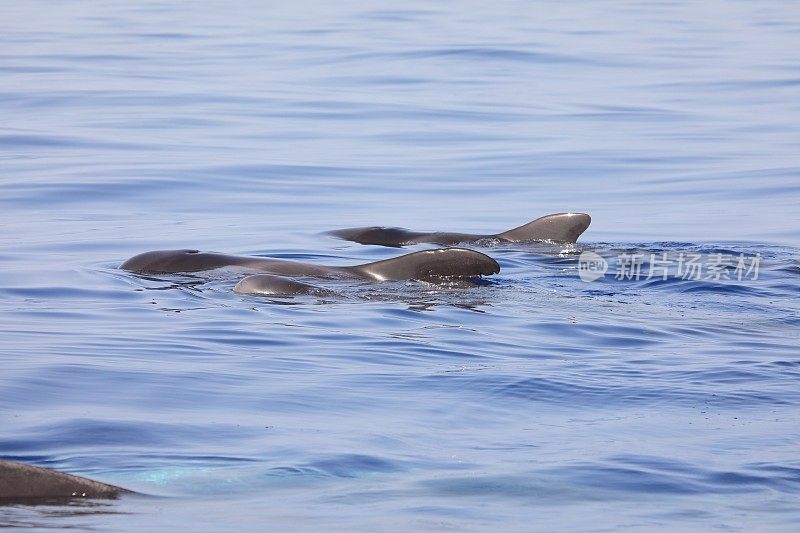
point(423, 265)
point(560, 227)
point(23, 482)
point(269, 285)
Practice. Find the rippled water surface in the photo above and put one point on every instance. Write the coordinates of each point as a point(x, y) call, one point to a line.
point(534, 400)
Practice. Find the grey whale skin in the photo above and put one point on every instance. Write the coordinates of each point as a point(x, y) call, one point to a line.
point(559, 227)
point(27, 483)
point(423, 265)
point(269, 285)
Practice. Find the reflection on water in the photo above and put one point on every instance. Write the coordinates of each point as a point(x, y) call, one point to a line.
point(33, 514)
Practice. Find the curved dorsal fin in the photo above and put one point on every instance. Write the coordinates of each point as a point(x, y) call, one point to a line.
point(427, 264)
point(561, 227)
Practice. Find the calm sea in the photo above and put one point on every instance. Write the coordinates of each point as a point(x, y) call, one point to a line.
point(534, 401)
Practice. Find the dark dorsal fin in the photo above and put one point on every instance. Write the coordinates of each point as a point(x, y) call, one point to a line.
point(428, 264)
point(561, 227)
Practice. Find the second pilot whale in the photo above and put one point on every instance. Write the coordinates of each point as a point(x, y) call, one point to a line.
point(558, 227)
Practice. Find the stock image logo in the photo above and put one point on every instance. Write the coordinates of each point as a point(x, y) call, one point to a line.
point(591, 266)
point(681, 265)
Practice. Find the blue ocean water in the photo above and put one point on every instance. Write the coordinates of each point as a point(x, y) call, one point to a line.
point(535, 400)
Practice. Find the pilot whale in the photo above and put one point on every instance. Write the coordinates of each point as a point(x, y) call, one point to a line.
point(423, 265)
point(559, 227)
point(444, 262)
point(23, 482)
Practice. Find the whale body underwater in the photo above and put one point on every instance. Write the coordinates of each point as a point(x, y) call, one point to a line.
point(30, 484)
point(445, 263)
